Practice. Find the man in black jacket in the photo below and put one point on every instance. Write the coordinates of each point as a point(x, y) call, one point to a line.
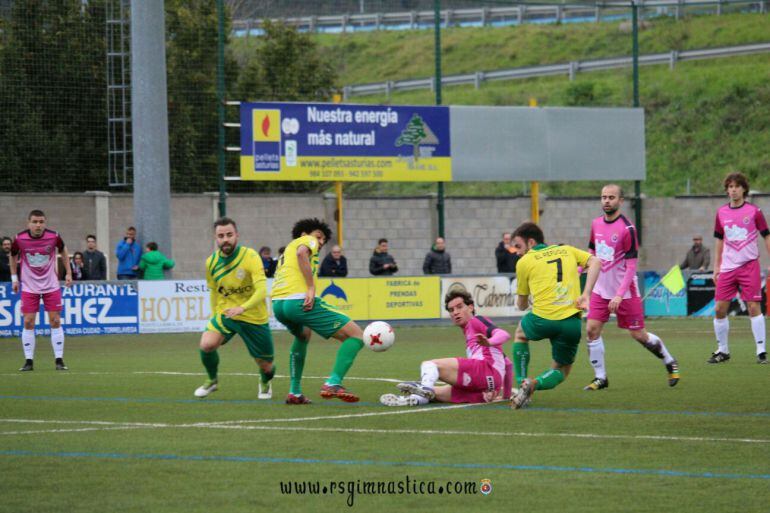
point(381, 263)
point(506, 255)
point(94, 261)
point(335, 265)
point(437, 261)
point(5, 266)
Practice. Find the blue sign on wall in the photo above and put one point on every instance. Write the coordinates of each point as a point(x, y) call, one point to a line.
point(661, 302)
point(89, 309)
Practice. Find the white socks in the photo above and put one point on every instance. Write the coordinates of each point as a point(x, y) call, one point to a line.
point(721, 328)
point(428, 374)
point(655, 340)
point(758, 329)
point(596, 357)
point(28, 343)
point(420, 400)
point(57, 342)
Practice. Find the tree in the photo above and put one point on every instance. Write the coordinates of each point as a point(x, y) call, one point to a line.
point(286, 66)
point(52, 96)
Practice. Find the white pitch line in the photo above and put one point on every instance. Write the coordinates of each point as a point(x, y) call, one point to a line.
point(87, 422)
point(77, 430)
point(435, 432)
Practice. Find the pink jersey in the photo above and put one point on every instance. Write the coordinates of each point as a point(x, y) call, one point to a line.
point(37, 260)
point(614, 244)
point(493, 355)
point(739, 228)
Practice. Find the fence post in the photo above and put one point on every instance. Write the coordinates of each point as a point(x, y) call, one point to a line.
point(522, 13)
point(573, 69)
point(598, 13)
point(478, 77)
point(672, 60)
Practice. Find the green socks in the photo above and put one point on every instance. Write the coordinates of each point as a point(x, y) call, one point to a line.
point(211, 362)
point(346, 354)
point(549, 379)
point(520, 360)
point(267, 376)
point(296, 365)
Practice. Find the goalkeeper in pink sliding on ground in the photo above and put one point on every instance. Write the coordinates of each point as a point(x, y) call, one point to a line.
point(484, 376)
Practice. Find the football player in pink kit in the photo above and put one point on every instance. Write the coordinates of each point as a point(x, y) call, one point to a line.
point(483, 376)
point(613, 240)
point(737, 229)
point(35, 250)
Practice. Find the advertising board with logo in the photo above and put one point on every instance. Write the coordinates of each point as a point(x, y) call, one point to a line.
point(88, 309)
point(383, 298)
point(321, 141)
point(494, 296)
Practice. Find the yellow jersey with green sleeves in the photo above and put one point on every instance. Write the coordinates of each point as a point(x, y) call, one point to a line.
point(289, 283)
point(238, 280)
point(549, 274)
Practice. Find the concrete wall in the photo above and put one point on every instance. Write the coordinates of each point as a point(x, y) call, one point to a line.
point(473, 225)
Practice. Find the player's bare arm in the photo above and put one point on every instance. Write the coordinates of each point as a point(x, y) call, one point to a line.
point(65, 256)
point(14, 273)
point(718, 247)
point(303, 259)
point(594, 268)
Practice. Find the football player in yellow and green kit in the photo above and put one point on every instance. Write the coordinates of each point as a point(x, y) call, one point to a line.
point(550, 275)
point(296, 305)
point(236, 278)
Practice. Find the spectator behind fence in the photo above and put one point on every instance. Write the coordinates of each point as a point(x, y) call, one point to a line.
point(5, 266)
point(77, 265)
point(129, 253)
point(267, 261)
point(506, 255)
point(94, 261)
point(153, 263)
point(698, 257)
point(381, 263)
point(335, 265)
point(437, 261)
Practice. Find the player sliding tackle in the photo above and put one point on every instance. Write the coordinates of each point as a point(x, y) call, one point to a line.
point(238, 288)
point(296, 306)
point(549, 274)
point(483, 376)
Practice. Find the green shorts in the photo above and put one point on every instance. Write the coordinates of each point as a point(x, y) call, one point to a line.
point(257, 337)
point(564, 335)
point(323, 318)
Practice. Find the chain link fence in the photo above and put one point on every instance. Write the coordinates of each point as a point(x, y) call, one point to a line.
point(65, 66)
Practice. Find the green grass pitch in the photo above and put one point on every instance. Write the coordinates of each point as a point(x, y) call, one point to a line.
point(121, 431)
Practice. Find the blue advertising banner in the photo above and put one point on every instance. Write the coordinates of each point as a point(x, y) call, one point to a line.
point(660, 301)
point(323, 141)
point(89, 309)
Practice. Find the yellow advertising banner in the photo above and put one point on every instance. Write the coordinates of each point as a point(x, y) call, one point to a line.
point(383, 298)
point(411, 297)
point(348, 295)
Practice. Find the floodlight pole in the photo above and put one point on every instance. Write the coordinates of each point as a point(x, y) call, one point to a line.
point(437, 84)
point(221, 106)
point(635, 65)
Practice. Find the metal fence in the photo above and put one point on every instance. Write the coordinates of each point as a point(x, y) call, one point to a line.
point(484, 16)
point(570, 68)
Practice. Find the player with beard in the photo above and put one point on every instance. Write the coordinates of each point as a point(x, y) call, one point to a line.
point(613, 240)
point(238, 287)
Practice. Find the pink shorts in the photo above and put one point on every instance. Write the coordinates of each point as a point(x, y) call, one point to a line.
point(30, 302)
point(630, 312)
point(745, 278)
point(479, 382)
